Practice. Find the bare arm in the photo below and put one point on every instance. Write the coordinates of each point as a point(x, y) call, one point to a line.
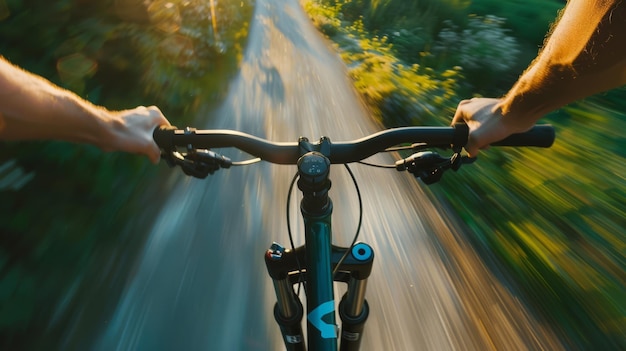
point(584, 55)
point(34, 108)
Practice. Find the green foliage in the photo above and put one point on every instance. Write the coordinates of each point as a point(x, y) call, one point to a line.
point(353, 10)
point(436, 34)
point(65, 208)
point(528, 22)
point(401, 14)
point(398, 94)
point(408, 25)
point(324, 16)
point(153, 43)
point(483, 48)
point(482, 45)
point(556, 216)
point(528, 19)
point(401, 95)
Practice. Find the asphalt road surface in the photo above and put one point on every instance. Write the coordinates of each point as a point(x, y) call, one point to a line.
point(201, 283)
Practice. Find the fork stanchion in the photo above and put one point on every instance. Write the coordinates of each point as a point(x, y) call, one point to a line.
point(288, 311)
point(353, 308)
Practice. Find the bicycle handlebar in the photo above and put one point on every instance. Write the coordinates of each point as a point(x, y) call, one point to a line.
point(168, 138)
point(541, 135)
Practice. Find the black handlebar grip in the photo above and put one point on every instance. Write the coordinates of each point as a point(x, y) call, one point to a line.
point(541, 135)
point(162, 136)
point(461, 134)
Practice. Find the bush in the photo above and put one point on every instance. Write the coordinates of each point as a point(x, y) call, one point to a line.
point(324, 16)
point(528, 19)
point(401, 95)
point(483, 48)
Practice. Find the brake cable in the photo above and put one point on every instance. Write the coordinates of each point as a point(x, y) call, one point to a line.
point(424, 164)
point(291, 242)
point(354, 239)
point(358, 228)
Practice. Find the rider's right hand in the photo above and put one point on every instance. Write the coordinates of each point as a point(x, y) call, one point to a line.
point(486, 123)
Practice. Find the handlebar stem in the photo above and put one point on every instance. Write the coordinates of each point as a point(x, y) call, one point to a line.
point(314, 182)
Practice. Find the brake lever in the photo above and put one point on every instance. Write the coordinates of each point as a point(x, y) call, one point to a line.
point(429, 166)
point(425, 165)
point(197, 163)
point(457, 160)
point(210, 157)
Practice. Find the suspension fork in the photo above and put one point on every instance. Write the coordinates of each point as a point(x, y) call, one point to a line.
point(284, 266)
point(314, 263)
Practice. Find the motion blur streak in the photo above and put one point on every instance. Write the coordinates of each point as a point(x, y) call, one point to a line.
point(202, 285)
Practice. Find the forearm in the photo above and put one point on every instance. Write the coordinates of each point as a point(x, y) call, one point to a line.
point(585, 55)
point(33, 108)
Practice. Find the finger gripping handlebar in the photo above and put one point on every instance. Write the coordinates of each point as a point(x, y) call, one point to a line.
point(163, 137)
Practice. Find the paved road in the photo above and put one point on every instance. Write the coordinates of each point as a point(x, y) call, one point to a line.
point(201, 283)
